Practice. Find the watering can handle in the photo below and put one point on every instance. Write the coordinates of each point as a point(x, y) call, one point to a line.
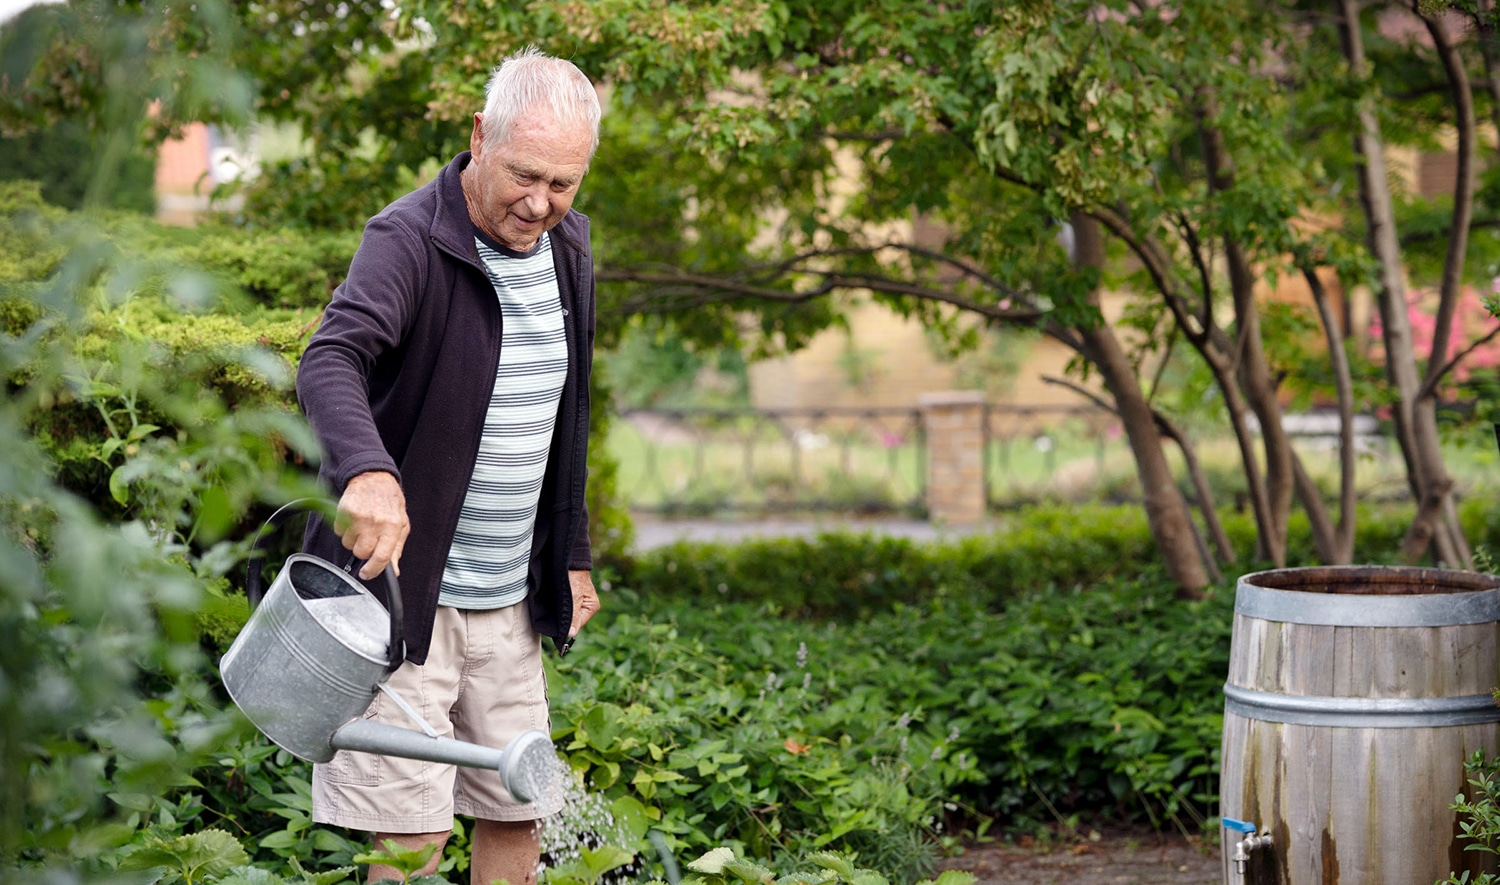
point(255, 591)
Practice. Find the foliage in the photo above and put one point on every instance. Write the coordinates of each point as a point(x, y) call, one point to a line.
point(610, 530)
point(722, 867)
point(284, 268)
point(61, 157)
point(730, 722)
point(405, 861)
point(191, 859)
point(1479, 811)
point(658, 367)
point(848, 574)
point(104, 708)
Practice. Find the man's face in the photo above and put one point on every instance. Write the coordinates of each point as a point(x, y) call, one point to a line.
point(522, 186)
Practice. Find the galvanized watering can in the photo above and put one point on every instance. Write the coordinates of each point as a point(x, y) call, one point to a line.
point(314, 652)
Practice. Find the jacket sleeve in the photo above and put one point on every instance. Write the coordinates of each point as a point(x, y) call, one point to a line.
point(367, 318)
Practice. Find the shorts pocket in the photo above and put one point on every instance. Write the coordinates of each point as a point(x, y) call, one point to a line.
point(352, 767)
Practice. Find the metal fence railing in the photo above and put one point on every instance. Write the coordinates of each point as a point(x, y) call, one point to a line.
point(731, 462)
point(1068, 452)
point(683, 462)
point(703, 462)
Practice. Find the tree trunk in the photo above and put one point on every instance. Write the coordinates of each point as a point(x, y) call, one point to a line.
point(1452, 547)
point(1252, 368)
point(1415, 415)
point(1340, 546)
point(1166, 509)
point(1215, 526)
point(1212, 344)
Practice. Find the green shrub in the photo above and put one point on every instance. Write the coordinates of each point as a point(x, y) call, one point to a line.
point(282, 268)
point(106, 709)
point(1480, 818)
point(62, 160)
point(773, 735)
point(844, 574)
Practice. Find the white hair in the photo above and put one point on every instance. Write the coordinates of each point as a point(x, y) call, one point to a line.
point(527, 80)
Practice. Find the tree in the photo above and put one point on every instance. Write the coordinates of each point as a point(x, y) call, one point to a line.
point(763, 156)
point(996, 122)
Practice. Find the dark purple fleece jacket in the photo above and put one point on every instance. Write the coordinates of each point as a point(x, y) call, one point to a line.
point(398, 378)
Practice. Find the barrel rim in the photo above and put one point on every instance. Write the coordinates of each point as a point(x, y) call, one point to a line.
point(1476, 600)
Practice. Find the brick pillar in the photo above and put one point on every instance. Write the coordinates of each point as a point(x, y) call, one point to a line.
point(955, 456)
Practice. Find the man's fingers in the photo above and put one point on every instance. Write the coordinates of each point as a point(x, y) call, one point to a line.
point(387, 549)
point(372, 521)
point(585, 600)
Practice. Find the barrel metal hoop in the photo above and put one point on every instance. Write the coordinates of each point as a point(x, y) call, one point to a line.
point(1367, 610)
point(1360, 712)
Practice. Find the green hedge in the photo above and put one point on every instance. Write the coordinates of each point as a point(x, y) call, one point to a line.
point(843, 574)
point(177, 314)
point(847, 574)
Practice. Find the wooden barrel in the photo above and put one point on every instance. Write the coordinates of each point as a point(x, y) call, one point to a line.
point(1354, 696)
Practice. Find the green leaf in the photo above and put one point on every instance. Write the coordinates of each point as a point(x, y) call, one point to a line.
point(712, 862)
point(215, 514)
point(280, 839)
point(833, 861)
point(604, 858)
point(206, 854)
point(749, 872)
point(119, 488)
point(630, 816)
point(140, 432)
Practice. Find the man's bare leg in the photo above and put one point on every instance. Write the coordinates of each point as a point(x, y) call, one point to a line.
point(410, 841)
point(508, 850)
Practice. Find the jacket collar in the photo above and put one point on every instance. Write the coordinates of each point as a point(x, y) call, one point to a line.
point(452, 229)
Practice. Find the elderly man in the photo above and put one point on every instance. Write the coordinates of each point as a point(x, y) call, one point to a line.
point(449, 385)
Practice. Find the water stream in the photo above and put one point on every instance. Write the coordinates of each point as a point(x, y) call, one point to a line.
point(584, 821)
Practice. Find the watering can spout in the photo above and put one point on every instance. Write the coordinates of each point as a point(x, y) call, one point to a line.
point(527, 766)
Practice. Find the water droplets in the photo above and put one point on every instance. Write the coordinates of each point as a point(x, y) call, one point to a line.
point(584, 819)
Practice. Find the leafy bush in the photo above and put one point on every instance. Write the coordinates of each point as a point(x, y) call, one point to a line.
point(105, 708)
point(63, 157)
point(774, 736)
point(1481, 810)
point(732, 726)
point(283, 268)
point(844, 574)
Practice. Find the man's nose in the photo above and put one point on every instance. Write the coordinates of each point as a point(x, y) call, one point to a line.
point(536, 201)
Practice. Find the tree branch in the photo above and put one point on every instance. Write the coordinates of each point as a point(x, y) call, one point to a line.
point(707, 286)
point(1463, 191)
point(1195, 470)
point(1429, 386)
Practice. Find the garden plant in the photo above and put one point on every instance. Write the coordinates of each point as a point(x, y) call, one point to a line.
point(844, 708)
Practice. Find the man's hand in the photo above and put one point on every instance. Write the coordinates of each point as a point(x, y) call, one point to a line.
point(372, 521)
point(585, 600)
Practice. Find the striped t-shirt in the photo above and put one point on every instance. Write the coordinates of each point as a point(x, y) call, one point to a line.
point(488, 562)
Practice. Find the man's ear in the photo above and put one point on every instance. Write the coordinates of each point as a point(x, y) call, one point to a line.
point(476, 138)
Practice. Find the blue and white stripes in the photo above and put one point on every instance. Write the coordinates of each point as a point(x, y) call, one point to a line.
point(487, 564)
